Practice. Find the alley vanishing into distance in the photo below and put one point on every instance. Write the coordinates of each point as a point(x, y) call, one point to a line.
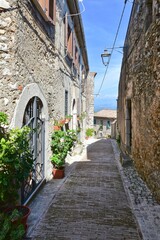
point(91, 203)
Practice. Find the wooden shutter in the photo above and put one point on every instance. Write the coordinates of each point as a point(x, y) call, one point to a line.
point(51, 10)
point(43, 4)
point(70, 44)
point(65, 30)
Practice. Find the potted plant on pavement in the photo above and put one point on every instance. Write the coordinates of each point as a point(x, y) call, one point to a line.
point(70, 139)
point(10, 226)
point(59, 153)
point(61, 144)
point(58, 161)
point(89, 132)
point(15, 165)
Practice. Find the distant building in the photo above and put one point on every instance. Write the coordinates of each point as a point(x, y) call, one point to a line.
point(89, 92)
point(139, 92)
point(102, 122)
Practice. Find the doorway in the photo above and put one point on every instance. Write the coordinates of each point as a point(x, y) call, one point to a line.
point(128, 125)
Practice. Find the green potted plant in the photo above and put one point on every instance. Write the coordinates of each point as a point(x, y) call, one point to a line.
point(70, 139)
point(61, 144)
point(3, 123)
point(59, 153)
point(58, 161)
point(15, 165)
point(10, 226)
point(89, 132)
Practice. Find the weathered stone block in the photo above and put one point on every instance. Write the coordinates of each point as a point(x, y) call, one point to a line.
point(3, 39)
point(5, 22)
point(2, 31)
point(3, 47)
point(6, 71)
point(4, 4)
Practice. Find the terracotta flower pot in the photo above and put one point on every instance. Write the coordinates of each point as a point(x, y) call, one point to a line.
point(58, 173)
point(62, 121)
point(24, 210)
point(67, 120)
point(56, 128)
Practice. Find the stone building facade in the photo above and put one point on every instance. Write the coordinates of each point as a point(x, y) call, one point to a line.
point(139, 92)
point(89, 90)
point(103, 121)
point(42, 60)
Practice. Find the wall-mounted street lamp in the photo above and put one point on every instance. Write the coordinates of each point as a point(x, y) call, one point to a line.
point(105, 57)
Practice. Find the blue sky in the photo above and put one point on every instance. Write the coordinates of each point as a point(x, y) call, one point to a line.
point(100, 20)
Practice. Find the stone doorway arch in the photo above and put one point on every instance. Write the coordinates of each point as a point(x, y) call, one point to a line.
point(32, 99)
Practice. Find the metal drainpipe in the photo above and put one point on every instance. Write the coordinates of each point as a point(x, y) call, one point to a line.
point(45, 8)
point(80, 90)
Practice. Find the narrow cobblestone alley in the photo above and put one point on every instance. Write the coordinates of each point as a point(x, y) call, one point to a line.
point(91, 203)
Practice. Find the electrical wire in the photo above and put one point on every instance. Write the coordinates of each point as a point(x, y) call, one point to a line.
point(76, 14)
point(109, 59)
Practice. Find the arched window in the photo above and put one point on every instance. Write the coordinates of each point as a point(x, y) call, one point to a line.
point(33, 119)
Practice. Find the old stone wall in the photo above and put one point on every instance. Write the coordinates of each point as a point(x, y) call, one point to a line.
point(9, 91)
point(89, 91)
point(28, 61)
point(28, 55)
point(105, 129)
point(33, 63)
point(140, 83)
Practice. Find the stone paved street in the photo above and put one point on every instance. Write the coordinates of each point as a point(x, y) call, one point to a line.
point(91, 203)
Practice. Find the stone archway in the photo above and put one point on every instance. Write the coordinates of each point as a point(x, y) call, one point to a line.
point(32, 91)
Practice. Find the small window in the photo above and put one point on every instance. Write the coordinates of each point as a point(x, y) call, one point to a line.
point(94, 121)
point(108, 124)
point(101, 125)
